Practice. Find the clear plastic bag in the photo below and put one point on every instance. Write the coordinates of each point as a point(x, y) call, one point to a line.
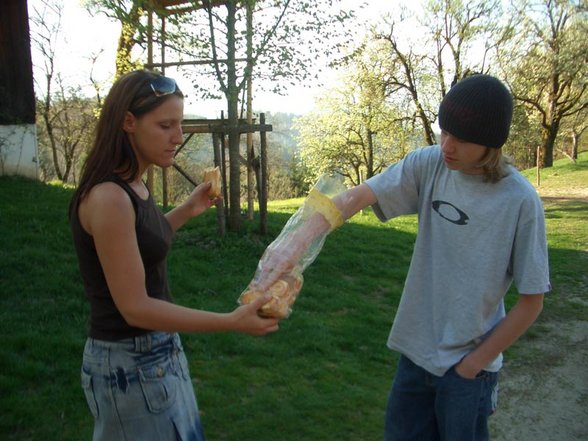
point(296, 247)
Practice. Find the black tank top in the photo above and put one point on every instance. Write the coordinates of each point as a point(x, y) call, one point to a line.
point(154, 235)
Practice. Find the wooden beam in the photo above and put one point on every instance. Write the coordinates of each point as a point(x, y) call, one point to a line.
point(220, 126)
point(184, 174)
point(188, 63)
point(241, 128)
point(171, 7)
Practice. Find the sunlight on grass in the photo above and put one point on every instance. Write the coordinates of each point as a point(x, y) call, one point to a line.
point(324, 376)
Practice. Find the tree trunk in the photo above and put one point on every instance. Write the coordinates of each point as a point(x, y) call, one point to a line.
point(126, 41)
point(548, 136)
point(264, 187)
point(370, 157)
point(575, 143)
point(250, 151)
point(232, 95)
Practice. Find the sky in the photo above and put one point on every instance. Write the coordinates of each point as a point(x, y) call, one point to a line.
point(84, 36)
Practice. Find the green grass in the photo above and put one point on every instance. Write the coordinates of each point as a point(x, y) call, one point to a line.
point(324, 376)
point(564, 174)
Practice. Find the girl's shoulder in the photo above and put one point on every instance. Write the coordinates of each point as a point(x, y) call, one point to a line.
point(108, 194)
point(107, 204)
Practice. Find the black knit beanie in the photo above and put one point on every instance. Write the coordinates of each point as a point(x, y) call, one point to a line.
point(477, 109)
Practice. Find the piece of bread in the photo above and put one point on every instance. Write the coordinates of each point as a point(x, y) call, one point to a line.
point(213, 176)
point(283, 295)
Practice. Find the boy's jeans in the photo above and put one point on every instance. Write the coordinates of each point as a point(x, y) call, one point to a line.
point(424, 407)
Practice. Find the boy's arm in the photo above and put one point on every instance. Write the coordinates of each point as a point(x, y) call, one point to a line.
point(521, 316)
point(282, 255)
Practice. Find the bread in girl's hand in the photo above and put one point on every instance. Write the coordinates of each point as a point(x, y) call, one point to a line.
point(283, 295)
point(213, 176)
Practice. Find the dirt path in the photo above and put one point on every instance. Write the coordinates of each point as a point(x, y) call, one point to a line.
point(544, 391)
point(545, 397)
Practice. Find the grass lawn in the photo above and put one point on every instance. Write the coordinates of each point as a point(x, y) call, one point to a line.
point(324, 376)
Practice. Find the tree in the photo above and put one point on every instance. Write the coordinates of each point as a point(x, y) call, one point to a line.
point(573, 129)
point(408, 79)
point(420, 70)
point(546, 63)
point(523, 139)
point(355, 132)
point(278, 54)
point(463, 34)
point(129, 14)
point(67, 116)
point(284, 51)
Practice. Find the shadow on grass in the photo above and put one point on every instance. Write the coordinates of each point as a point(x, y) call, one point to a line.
point(325, 375)
point(336, 335)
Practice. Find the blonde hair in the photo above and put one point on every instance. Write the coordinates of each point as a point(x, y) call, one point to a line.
point(495, 165)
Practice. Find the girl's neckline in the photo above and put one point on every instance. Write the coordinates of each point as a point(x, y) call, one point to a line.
point(140, 189)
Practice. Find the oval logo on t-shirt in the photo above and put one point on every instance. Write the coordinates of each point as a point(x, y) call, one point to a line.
point(450, 212)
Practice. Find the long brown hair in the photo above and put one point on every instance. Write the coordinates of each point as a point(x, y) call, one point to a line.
point(494, 165)
point(111, 152)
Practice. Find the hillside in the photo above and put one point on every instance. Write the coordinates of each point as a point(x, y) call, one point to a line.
point(565, 179)
point(326, 374)
point(543, 387)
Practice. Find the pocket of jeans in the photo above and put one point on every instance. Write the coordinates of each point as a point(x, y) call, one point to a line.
point(87, 386)
point(159, 386)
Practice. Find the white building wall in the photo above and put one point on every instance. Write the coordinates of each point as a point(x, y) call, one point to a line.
point(18, 150)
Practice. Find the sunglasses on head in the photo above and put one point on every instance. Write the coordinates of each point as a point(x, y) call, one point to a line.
point(162, 86)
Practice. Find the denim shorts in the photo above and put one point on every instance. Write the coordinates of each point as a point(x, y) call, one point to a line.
point(423, 406)
point(140, 389)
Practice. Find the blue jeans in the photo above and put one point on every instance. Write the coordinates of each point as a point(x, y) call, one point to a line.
point(424, 407)
point(140, 389)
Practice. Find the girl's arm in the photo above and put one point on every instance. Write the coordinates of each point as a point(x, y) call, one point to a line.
point(108, 215)
point(194, 205)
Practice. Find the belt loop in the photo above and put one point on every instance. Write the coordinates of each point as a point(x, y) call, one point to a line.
point(143, 343)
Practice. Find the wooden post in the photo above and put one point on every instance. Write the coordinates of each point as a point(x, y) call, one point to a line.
point(538, 166)
point(218, 161)
point(264, 179)
point(224, 144)
point(150, 61)
point(164, 179)
point(250, 151)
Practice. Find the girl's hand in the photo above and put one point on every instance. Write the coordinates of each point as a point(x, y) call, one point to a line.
point(194, 205)
point(249, 322)
point(199, 201)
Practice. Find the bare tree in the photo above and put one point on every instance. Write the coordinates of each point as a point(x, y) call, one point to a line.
point(289, 36)
point(406, 78)
point(456, 27)
point(67, 116)
point(420, 72)
point(129, 14)
point(546, 64)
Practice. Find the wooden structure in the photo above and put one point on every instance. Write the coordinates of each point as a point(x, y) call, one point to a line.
point(219, 128)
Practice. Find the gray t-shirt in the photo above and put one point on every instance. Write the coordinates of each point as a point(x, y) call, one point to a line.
point(474, 239)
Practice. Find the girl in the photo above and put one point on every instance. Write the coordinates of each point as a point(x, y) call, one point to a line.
point(134, 373)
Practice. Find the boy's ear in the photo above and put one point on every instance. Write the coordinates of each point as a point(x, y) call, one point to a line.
point(129, 122)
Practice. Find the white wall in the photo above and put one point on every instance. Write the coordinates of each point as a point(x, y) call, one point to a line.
point(18, 150)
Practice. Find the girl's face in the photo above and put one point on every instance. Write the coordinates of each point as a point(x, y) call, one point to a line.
point(154, 136)
point(462, 155)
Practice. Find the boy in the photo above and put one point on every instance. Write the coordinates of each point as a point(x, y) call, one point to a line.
point(481, 227)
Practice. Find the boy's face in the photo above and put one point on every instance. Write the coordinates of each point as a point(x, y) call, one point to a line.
point(462, 155)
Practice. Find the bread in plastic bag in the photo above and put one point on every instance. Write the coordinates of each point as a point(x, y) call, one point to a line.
point(286, 288)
